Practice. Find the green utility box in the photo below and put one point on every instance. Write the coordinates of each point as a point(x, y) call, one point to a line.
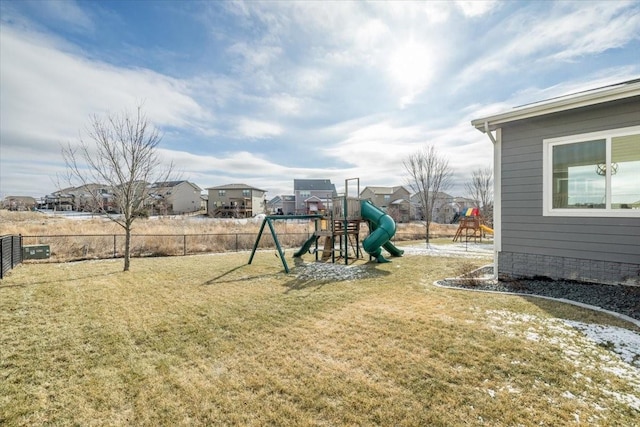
point(36, 252)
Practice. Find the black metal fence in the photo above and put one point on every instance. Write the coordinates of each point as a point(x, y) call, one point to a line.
point(67, 247)
point(10, 252)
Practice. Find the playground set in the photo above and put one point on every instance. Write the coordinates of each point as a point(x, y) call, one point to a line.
point(341, 226)
point(471, 225)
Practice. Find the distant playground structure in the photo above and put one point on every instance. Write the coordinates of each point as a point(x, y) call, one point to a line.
point(339, 230)
point(470, 225)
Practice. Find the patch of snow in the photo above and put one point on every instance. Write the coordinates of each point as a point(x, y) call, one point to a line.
point(622, 341)
point(630, 399)
point(587, 346)
point(466, 250)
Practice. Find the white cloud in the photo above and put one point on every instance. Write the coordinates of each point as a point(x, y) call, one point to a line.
point(249, 168)
point(52, 91)
point(476, 8)
point(256, 129)
point(565, 32)
point(48, 96)
point(354, 86)
point(255, 57)
point(412, 66)
point(67, 12)
point(286, 104)
point(308, 81)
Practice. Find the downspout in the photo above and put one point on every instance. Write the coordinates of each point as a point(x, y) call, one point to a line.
point(497, 194)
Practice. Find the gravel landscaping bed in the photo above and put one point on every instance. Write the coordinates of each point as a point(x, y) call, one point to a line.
point(617, 298)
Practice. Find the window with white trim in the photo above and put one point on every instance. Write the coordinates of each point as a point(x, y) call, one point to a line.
point(594, 174)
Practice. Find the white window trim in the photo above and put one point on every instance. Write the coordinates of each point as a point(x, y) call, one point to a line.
point(547, 181)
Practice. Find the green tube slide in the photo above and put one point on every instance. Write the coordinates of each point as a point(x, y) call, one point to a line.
point(383, 227)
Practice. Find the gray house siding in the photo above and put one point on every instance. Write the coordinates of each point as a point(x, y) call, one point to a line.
point(600, 249)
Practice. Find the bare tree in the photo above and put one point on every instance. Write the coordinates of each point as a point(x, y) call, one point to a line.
point(120, 152)
point(480, 189)
point(429, 174)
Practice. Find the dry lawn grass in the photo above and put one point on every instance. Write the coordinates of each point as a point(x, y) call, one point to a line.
point(209, 340)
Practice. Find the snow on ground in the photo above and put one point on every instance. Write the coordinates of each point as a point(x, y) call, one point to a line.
point(462, 249)
point(591, 341)
point(622, 341)
point(589, 347)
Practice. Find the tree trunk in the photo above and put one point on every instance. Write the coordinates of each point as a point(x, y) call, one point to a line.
point(427, 227)
point(127, 247)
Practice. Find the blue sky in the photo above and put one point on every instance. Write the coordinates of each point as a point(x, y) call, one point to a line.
point(265, 92)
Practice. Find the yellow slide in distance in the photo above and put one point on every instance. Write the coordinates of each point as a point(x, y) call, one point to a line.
point(487, 229)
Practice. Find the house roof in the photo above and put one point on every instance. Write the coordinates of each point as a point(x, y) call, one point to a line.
point(399, 201)
point(627, 89)
point(383, 190)
point(313, 184)
point(166, 184)
point(235, 187)
point(313, 199)
point(169, 184)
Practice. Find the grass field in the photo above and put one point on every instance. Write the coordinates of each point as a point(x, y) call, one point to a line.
point(210, 340)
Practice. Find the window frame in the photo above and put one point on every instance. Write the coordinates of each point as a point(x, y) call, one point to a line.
point(547, 175)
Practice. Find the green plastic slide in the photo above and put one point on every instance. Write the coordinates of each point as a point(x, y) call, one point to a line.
point(383, 228)
point(305, 247)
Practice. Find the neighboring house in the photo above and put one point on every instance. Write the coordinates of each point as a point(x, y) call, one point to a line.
point(282, 205)
point(19, 203)
point(567, 186)
point(204, 201)
point(85, 198)
point(395, 201)
point(313, 195)
point(61, 200)
point(236, 201)
point(444, 209)
point(274, 206)
point(174, 197)
point(92, 198)
point(288, 204)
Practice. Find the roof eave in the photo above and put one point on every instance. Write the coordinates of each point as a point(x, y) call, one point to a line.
point(491, 123)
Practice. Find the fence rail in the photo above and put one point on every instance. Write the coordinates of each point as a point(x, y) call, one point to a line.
point(10, 253)
point(75, 247)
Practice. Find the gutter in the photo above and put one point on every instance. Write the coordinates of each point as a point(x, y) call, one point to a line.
point(568, 102)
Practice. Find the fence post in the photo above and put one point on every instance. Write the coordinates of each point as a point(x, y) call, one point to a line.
point(236, 242)
point(184, 244)
point(114, 245)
